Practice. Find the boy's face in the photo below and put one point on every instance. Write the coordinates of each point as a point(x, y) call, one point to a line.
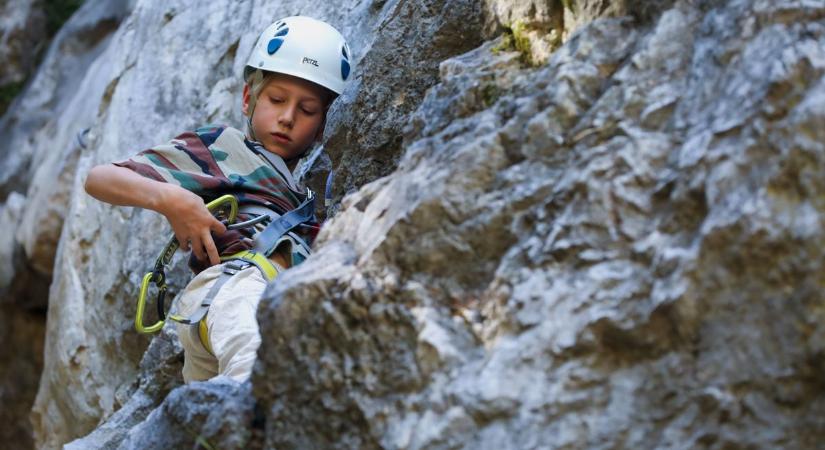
point(288, 116)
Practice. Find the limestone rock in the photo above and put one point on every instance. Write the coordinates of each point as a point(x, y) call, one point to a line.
point(133, 88)
point(48, 112)
point(212, 414)
point(32, 223)
point(619, 249)
point(10, 214)
point(398, 65)
point(21, 335)
point(22, 39)
point(159, 373)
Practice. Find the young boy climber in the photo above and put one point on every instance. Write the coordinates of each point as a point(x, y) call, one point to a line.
point(297, 68)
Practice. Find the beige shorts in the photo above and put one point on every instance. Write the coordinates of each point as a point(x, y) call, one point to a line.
point(232, 324)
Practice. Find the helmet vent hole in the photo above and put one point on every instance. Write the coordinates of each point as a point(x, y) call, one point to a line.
point(344, 69)
point(274, 45)
point(282, 32)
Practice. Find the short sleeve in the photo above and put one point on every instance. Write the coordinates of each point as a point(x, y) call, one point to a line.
point(185, 160)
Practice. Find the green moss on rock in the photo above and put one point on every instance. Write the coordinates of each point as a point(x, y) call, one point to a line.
point(521, 42)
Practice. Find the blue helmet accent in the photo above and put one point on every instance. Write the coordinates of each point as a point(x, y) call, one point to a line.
point(274, 45)
point(344, 69)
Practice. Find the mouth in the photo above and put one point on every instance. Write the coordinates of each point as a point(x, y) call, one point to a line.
point(281, 137)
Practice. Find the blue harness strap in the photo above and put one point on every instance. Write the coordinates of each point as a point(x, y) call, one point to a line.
point(267, 239)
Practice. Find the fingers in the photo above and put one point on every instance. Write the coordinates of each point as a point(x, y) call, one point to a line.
point(197, 248)
point(193, 233)
point(211, 250)
point(217, 227)
point(183, 243)
point(205, 250)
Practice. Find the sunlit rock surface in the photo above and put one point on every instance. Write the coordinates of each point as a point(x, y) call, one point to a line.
point(569, 225)
point(620, 249)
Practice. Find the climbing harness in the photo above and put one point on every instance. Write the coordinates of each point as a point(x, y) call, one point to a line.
point(232, 265)
point(225, 208)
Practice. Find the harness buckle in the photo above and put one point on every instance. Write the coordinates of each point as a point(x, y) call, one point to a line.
point(233, 267)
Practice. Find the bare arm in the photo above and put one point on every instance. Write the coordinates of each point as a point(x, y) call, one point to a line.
point(191, 221)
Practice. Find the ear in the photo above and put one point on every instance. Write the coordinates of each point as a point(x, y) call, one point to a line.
point(245, 102)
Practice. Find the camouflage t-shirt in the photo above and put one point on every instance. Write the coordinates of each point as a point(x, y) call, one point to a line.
point(214, 161)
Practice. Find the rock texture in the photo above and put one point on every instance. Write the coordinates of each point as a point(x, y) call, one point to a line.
point(22, 39)
point(128, 95)
point(400, 63)
point(621, 249)
point(159, 372)
point(599, 230)
point(40, 153)
point(21, 334)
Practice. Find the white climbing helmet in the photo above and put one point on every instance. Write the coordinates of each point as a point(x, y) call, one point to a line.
point(305, 48)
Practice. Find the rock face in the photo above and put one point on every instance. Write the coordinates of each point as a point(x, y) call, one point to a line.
point(620, 249)
point(22, 38)
point(21, 334)
point(39, 164)
point(602, 229)
point(400, 63)
point(128, 95)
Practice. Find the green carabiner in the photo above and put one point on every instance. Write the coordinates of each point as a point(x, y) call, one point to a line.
point(158, 274)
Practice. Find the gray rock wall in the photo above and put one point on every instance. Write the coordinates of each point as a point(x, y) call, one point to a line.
point(39, 164)
point(21, 334)
point(136, 93)
point(22, 39)
point(620, 249)
point(598, 231)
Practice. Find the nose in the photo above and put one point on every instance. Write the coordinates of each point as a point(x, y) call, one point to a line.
point(287, 117)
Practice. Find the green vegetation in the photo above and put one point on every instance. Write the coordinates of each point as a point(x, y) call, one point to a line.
point(58, 12)
point(506, 43)
point(521, 42)
point(515, 39)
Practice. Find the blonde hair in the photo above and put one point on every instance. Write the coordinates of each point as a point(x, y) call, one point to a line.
point(258, 79)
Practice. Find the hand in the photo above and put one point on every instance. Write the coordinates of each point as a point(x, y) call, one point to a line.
point(192, 223)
